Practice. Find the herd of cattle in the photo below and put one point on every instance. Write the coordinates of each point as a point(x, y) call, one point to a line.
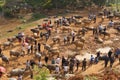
point(65, 29)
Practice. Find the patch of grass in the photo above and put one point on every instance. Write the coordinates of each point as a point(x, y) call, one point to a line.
point(17, 30)
point(42, 73)
point(36, 16)
point(114, 7)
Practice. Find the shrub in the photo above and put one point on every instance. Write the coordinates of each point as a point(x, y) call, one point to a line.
point(41, 73)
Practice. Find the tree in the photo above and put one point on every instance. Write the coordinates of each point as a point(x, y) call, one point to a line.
point(99, 2)
point(2, 3)
point(42, 73)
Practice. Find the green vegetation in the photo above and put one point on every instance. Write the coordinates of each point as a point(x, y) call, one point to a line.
point(90, 78)
point(37, 16)
point(42, 73)
point(17, 30)
point(14, 7)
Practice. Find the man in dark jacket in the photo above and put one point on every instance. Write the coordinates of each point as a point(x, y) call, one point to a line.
point(39, 45)
point(84, 62)
point(106, 58)
point(109, 54)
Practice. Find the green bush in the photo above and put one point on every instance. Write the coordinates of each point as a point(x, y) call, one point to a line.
point(90, 78)
point(42, 73)
point(7, 13)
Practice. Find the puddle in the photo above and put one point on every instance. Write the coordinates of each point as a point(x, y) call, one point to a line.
point(85, 55)
point(104, 50)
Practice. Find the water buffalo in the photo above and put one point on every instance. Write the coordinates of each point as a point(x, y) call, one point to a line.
point(78, 44)
point(15, 53)
point(47, 47)
point(4, 58)
point(53, 52)
point(56, 39)
point(37, 55)
point(16, 72)
point(35, 31)
point(7, 44)
point(68, 29)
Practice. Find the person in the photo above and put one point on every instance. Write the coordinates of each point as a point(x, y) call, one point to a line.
point(77, 64)
point(27, 65)
point(35, 42)
point(1, 74)
point(47, 36)
point(0, 50)
point(94, 18)
point(65, 39)
point(91, 60)
point(65, 69)
point(103, 18)
point(83, 31)
point(58, 60)
point(109, 54)
point(84, 62)
point(41, 35)
point(31, 74)
point(53, 61)
point(32, 63)
point(23, 49)
point(63, 60)
point(20, 77)
point(39, 45)
point(71, 66)
point(106, 60)
point(35, 48)
point(117, 54)
point(28, 49)
point(68, 39)
point(94, 31)
point(98, 54)
point(96, 60)
point(32, 49)
point(111, 23)
point(111, 61)
point(100, 28)
point(46, 59)
point(39, 64)
point(73, 37)
point(57, 69)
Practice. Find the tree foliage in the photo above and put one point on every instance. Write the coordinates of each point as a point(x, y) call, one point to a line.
point(14, 6)
point(42, 73)
point(99, 2)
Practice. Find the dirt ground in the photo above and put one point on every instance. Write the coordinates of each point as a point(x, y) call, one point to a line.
point(90, 46)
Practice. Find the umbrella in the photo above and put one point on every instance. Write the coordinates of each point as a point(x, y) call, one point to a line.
point(2, 69)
